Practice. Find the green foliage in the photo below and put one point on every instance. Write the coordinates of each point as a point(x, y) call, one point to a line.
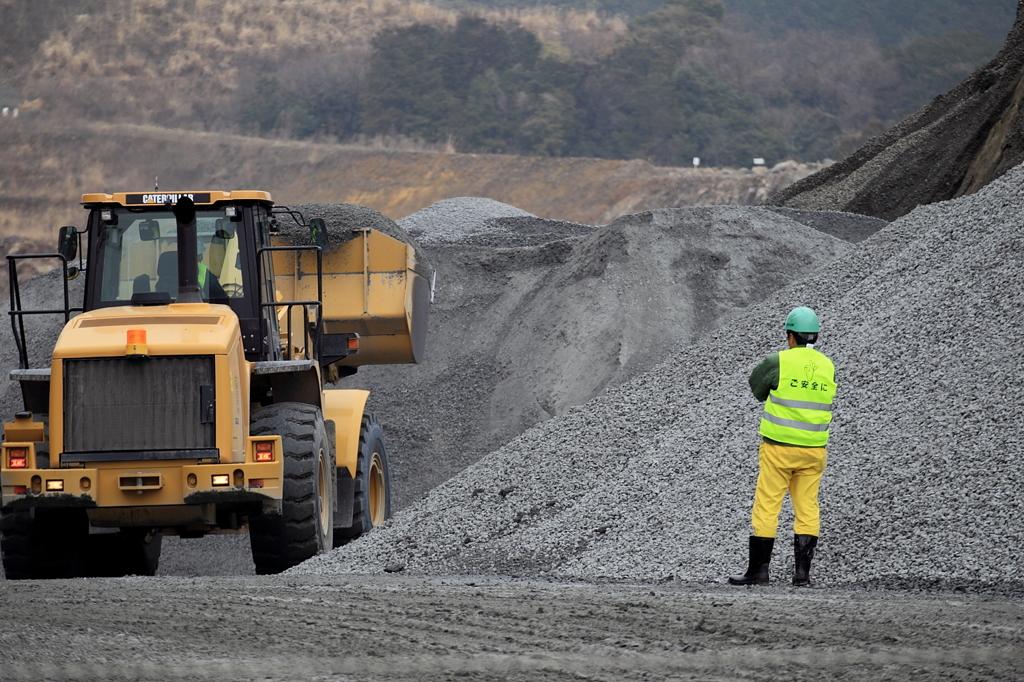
point(482, 85)
point(261, 111)
point(675, 87)
point(657, 41)
point(668, 110)
point(931, 66)
point(304, 112)
point(405, 91)
point(815, 136)
point(890, 22)
point(475, 47)
point(486, 87)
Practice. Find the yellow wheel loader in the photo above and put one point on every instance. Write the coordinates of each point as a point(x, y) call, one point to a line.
point(186, 396)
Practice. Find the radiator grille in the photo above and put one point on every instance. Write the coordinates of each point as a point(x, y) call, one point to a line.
point(121, 404)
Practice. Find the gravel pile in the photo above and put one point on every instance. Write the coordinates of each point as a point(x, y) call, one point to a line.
point(478, 221)
point(851, 227)
point(453, 220)
point(653, 481)
point(521, 334)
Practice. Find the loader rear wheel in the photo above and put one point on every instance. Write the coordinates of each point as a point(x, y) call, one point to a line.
point(303, 529)
point(372, 502)
point(43, 545)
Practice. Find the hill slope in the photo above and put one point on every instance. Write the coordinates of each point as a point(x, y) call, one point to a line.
point(951, 147)
point(48, 168)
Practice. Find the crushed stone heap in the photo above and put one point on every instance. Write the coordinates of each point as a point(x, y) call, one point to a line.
point(653, 481)
point(520, 333)
point(479, 221)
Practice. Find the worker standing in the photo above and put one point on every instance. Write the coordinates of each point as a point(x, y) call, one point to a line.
point(797, 386)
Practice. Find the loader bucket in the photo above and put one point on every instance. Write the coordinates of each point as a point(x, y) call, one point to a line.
point(372, 286)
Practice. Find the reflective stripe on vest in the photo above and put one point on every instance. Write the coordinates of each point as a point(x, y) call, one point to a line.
point(799, 404)
point(799, 411)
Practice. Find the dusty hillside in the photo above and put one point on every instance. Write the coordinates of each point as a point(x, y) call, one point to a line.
point(951, 147)
point(46, 169)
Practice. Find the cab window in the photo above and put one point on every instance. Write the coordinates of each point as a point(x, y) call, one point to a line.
point(139, 255)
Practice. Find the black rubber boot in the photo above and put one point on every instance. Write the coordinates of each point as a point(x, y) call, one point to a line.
point(757, 570)
point(803, 550)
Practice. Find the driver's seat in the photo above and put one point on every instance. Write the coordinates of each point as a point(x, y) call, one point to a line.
point(167, 273)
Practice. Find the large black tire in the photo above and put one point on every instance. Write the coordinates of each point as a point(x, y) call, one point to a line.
point(132, 551)
point(372, 500)
point(303, 529)
point(45, 545)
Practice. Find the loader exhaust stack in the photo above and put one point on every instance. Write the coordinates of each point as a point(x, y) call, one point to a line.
point(188, 255)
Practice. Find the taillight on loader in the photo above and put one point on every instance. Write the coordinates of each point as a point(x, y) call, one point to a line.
point(17, 458)
point(264, 451)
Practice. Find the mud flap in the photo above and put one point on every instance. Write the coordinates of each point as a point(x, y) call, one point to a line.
point(344, 502)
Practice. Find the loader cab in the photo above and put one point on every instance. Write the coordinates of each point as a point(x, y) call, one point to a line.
point(132, 257)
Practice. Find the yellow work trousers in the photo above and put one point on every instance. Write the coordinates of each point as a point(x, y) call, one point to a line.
point(798, 470)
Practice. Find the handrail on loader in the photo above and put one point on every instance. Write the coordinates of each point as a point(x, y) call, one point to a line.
point(315, 330)
point(18, 314)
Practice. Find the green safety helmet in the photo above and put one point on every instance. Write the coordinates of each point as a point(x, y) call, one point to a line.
point(802, 320)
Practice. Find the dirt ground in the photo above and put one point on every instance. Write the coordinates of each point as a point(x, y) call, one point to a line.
point(397, 628)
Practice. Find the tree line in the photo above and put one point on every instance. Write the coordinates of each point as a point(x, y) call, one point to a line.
point(681, 83)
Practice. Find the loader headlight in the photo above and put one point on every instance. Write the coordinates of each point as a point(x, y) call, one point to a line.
point(55, 486)
point(221, 480)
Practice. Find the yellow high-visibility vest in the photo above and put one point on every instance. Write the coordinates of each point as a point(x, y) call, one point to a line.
point(799, 411)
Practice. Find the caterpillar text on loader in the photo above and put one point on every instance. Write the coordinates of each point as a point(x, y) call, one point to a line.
point(187, 397)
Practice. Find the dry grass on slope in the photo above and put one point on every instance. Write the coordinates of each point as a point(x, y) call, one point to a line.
point(194, 63)
point(212, 39)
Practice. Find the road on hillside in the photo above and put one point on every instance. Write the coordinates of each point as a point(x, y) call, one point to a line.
point(394, 627)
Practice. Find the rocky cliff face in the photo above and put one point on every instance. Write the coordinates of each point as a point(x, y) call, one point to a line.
point(953, 146)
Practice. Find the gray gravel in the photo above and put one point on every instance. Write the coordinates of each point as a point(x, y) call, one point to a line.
point(453, 220)
point(851, 227)
point(519, 334)
point(653, 481)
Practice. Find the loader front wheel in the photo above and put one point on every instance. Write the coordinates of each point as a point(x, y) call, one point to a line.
point(303, 529)
point(43, 544)
point(372, 500)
